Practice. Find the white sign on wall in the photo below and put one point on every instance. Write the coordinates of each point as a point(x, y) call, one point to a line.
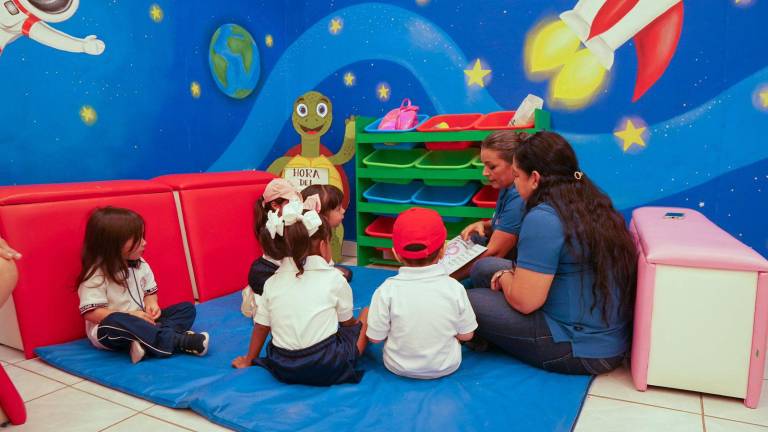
point(303, 177)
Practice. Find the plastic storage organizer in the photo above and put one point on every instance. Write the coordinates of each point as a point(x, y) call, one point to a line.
point(377, 191)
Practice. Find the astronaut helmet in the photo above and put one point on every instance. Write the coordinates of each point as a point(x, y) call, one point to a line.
point(51, 11)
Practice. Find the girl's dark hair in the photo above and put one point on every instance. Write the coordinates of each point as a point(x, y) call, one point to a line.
point(505, 142)
point(331, 197)
point(106, 233)
point(595, 232)
point(260, 209)
point(295, 242)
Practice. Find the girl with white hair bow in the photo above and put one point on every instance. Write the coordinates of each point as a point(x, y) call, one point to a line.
point(277, 194)
point(306, 306)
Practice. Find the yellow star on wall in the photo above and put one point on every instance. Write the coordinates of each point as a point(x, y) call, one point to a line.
point(269, 41)
point(631, 135)
point(383, 92)
point(476, 74)
point(764, 98)
point(349, 79)
point(335, 26)
point(88, 115)
point(156, 13)
point(194, 89)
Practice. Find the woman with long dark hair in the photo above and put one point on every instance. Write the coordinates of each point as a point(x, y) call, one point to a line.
point(565, 304)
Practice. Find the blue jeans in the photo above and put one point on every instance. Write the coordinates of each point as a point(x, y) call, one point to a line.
point(484, 268)
point(527, 337)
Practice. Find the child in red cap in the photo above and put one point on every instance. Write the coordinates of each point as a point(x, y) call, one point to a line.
point(421, 312)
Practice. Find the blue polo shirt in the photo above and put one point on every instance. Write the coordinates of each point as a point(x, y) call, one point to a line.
point(542, 249)
point(510, 209)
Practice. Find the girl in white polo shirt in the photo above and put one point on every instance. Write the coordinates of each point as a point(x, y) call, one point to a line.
point(118, 293)
point(306, 306)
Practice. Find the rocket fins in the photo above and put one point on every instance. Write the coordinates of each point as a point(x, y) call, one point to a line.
point(656, 45)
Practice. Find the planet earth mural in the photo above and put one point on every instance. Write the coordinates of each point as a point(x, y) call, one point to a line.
point(234, 60)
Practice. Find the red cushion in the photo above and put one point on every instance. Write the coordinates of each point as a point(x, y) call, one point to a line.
point(218, 217)
point(10, 400)
point(50, 236)
point(28, 194)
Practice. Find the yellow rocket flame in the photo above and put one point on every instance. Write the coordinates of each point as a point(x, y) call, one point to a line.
point(552, 52)
point(548, 45)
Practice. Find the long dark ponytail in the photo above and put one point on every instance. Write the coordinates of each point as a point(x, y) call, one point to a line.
point(594, 231)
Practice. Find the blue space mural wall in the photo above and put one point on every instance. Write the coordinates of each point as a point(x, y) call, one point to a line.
point(150, 103)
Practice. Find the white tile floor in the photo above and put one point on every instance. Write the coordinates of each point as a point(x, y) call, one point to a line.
point(56, 401)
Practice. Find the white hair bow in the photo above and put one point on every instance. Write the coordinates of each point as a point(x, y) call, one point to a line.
point(292, 213)
point(274, 224)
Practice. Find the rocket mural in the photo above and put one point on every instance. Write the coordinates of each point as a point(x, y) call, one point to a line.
point(602, 26)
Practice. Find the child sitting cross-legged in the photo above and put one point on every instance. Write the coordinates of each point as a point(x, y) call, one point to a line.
point(306, 305)
point(421, 312)
point(118, 293)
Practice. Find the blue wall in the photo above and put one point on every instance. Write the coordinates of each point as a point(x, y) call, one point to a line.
point(703, 146)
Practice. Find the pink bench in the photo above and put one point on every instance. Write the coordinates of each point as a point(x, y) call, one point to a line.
point(702, 307)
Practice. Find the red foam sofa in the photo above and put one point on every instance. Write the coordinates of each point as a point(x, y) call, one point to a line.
point(199, 233)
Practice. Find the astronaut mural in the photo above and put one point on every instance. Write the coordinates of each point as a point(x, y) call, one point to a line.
point(31, 17)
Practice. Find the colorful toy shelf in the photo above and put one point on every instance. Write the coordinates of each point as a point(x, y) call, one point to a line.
point(417, 173)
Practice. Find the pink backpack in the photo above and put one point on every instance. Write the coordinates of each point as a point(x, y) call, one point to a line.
point(400, 118)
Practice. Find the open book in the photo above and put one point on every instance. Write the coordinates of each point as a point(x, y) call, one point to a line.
point(459, 252)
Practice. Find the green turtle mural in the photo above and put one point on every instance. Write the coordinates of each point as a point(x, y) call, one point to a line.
point(310, 162)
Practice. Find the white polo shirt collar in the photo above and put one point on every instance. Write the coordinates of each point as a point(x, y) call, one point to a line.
point(416, 273)
point(312, 262)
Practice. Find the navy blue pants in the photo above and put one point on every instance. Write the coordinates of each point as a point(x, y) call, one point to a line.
point(527, 337)
point(119, 329)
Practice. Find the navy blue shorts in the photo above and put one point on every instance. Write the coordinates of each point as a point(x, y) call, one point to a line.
point(330, 361)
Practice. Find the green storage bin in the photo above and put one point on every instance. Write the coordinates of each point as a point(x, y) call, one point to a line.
point(445, 182)
point(447, 159)
point(394, 158)
point(477, 162)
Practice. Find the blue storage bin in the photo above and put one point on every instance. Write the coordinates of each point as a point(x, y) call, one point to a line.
point(445, 195)
point(392, 193)
point(374, 127)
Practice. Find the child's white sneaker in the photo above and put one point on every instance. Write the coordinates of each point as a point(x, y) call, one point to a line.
point(137, 352)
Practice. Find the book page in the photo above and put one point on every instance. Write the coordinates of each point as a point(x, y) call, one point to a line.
point(459, 252)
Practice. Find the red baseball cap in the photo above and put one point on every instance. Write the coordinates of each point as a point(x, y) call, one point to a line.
point(418, 226)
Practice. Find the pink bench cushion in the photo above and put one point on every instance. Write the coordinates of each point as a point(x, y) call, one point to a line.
point(217, 211)
point(46, 223)
point(693, 241)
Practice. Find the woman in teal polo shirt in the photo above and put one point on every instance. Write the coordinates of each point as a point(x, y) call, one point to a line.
point(565, 305)
point(499, 234)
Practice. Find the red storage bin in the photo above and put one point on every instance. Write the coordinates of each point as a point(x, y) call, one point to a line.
point(498, 120)
point(486, 197)
point(381, 227)
point(456, 122)
point(448, 145)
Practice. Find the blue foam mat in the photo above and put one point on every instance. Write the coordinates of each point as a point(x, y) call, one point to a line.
point(490, 391)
